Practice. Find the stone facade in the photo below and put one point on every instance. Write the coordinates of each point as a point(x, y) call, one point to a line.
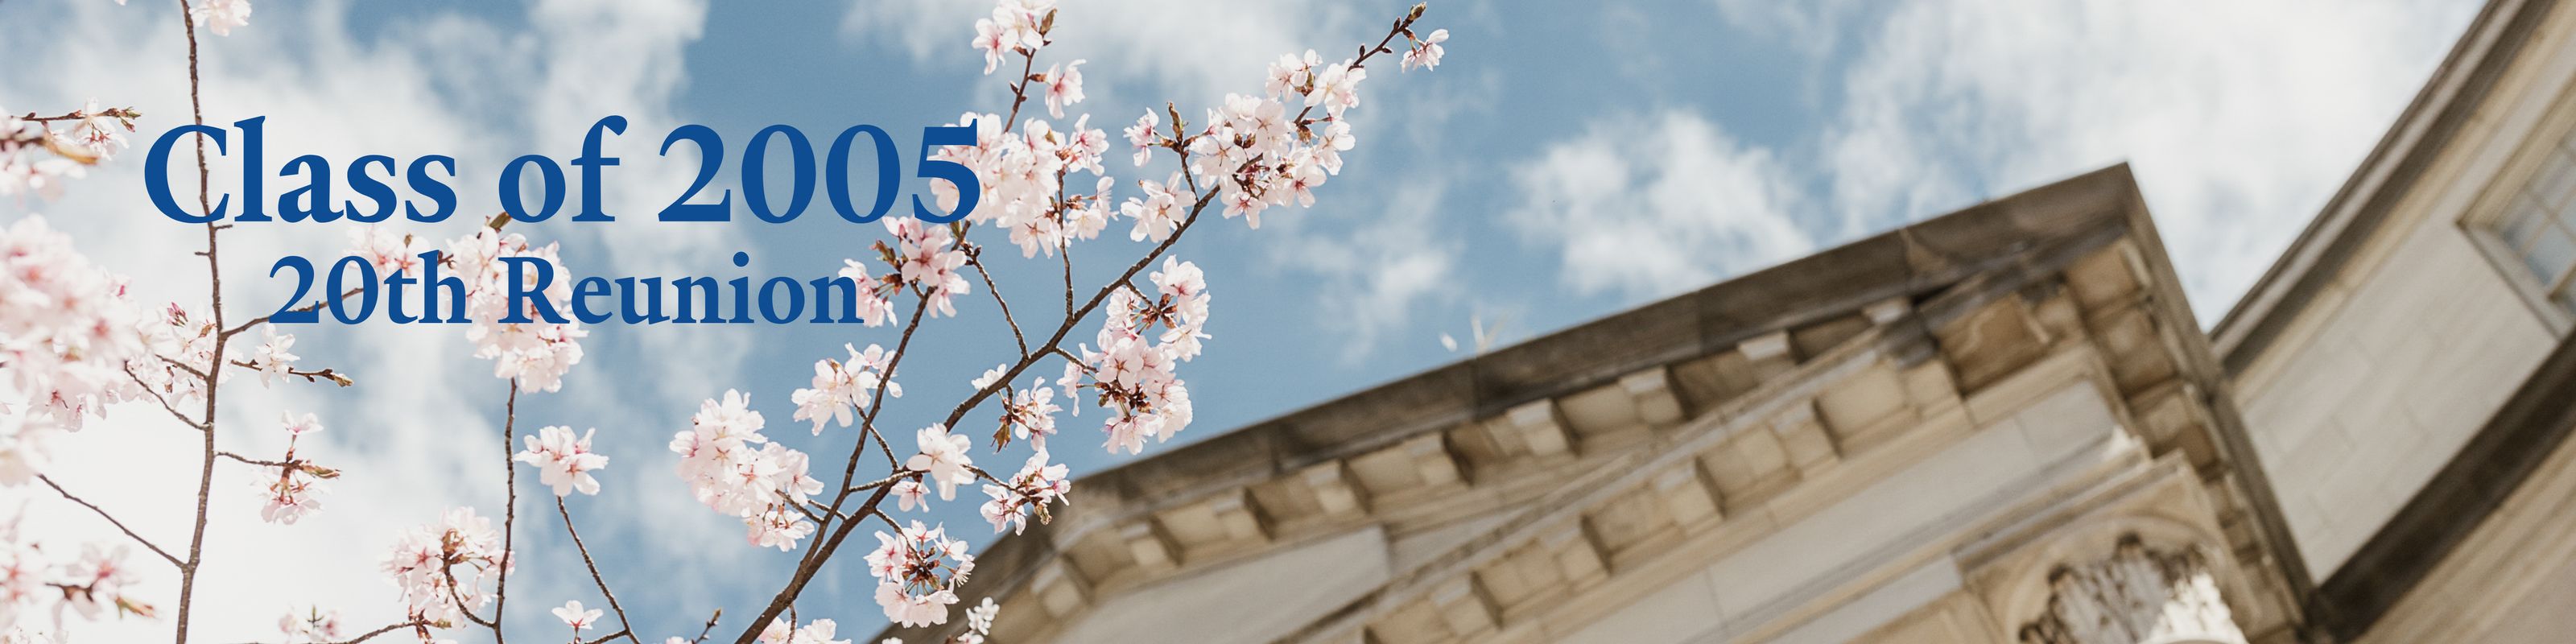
point(2004, 424)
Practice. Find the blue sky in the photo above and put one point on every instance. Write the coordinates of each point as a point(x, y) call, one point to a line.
point(1567, 161)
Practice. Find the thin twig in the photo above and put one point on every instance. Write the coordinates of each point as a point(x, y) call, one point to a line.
point(164, 400)
point(710, 628)
point(307, 374)
point(308, 308)
point(975, 258)
point(627, 628)
point(111, 520)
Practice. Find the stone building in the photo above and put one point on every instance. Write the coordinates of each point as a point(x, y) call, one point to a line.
point(2003, 424)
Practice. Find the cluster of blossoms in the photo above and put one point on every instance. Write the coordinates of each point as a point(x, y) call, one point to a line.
point(1037, 485)
point(918, 572)
point(291, 495)
point(1029, 414)
point(979, 625)
point(779, 631)
point(35, 159)
point(535, 353)
point(89, 585)
point(311, 625)
point(66, 333)
point(562, 461)
point(1023, 173)
point(735, 470)
point(220, 16)
point(925, 257)
point(441, 568)
point(1132, 369)
point(843, 386)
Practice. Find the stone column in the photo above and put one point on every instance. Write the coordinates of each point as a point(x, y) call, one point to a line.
point(2138, 595)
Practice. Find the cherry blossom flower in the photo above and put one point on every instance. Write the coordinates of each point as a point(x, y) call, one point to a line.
point(870, 306)
point(311, 626)
point(1158, 213)
point(221, 16)
point(732, 469)
point(390, 252)
point(97, 581)
point(841, 387)
point(943, 457)
point(918, 571)
point(295, 491)
point(572, 615)
point(909, 493)
point(1015, 26)
point(536, 353)
point(1292, 74)
point(563, 462)
point(66, 333)
point(437, 566)
point(1337, 88)
point(819, 631)
point(979, 620)
point(1030, 414)
point(928, 260)
point(990, 376)
point(96, 131)
point(1036, 485)
point(271, 358)
point(1426, 51)
point(1143, 137)
point(1063, 87)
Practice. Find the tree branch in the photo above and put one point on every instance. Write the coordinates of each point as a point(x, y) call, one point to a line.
point(627, 628)
point(111, 520)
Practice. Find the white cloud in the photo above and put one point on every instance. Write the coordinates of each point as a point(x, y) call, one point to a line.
point(1649, 206)
point(1372, 280)
point(2240, 118)
point(1188, 51)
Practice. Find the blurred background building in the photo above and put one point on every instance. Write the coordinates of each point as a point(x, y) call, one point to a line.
point(1999, 425)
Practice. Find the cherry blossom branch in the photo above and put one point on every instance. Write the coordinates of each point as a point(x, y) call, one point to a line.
point(449, 570)
point(215, 293)
point(253, 461)
point(308, 308)
point(627, 633)
point(805, 570)
point(626, 629)
point(309, 375)
point(111, 520)
point(1075, 318)
point(509, 513)
point(380, 631)
point(113, 112)
point(710, 627)
point(164, 400)
point(974, 257)
point(1020, 90)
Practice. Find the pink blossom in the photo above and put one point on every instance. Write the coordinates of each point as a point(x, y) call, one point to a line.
point(563, 462)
